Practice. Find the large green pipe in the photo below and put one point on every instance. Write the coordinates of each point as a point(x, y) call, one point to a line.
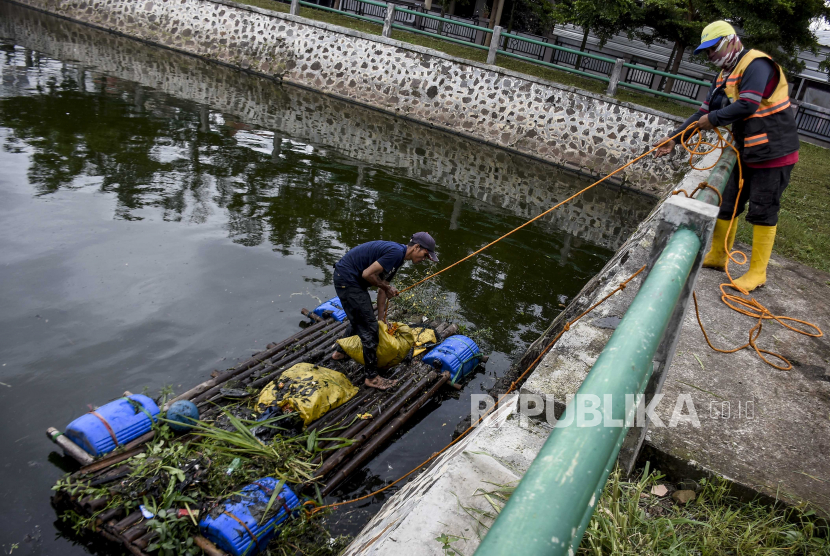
point(718, 177)
point(553, 503)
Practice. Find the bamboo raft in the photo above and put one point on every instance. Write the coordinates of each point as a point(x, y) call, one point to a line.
point(391, 409)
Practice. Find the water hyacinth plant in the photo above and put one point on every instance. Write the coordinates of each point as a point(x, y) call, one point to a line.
point(200, 470)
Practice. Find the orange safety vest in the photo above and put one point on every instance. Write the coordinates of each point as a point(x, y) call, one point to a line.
point(770, 132)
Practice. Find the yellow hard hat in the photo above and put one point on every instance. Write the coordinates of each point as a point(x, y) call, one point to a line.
point(712, 33)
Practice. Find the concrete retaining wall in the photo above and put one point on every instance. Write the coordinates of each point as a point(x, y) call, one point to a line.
point(557, 124)
point(523, 186)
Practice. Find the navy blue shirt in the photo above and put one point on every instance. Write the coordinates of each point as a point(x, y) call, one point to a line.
point(389, 254)
point(758, 82)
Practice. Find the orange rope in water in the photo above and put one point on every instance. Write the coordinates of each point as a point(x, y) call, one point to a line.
point(512, 387)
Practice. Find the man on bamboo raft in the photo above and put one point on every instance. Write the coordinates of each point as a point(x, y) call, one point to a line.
point(374, 264)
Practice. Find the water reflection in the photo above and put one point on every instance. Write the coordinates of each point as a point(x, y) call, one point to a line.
point(522, 186)
point(167, 216)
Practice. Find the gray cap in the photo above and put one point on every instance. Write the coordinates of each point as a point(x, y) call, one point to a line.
point(425, 240)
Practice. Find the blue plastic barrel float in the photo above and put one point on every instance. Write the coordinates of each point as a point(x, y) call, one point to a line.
point(333, 305)
point(457, 354)
point(234, 526)
point(113, 424)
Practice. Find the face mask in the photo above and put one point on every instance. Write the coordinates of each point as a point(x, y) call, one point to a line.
point(726, 54)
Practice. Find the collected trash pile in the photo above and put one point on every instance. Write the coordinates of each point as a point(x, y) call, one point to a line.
point(231, 464)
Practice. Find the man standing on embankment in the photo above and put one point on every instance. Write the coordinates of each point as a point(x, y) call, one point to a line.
point(374, 264)
point(751, 94)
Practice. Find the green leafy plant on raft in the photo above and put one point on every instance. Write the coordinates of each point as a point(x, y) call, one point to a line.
point(201, 470)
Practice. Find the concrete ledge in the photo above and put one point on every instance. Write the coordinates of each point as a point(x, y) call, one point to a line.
point(498, 452)
point(764, 429)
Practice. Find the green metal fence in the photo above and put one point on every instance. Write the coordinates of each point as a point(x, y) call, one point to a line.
point(500, 51)
point(443, 38)
point(561, 49)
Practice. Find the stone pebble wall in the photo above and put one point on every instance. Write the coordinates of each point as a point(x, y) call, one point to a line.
point(476, 172)
point(558, 124)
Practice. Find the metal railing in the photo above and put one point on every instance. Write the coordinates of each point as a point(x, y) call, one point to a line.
point(558, 49)
point(677, 78)
point(813, 121)
point(571, 57)
point(556, 498)
point(444, 27)
point(640, 75)
point(688, 89)
point(456, 30)
point(525, 48)
point(363, 7)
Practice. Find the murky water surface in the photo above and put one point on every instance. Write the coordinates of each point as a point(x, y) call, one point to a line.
point(161, 217)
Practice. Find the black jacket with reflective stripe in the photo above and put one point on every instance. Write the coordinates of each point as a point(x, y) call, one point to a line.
point(771, 132)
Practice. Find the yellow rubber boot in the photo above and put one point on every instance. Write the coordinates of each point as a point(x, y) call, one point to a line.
point(762, 239)
point(716, 257)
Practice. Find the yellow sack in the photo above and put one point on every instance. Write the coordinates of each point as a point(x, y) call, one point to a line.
point(423, 336)
point(392, 347)
point(309, 390)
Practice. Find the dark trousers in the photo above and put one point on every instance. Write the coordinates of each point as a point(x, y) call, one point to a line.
point(358, 307)
point(762, 188)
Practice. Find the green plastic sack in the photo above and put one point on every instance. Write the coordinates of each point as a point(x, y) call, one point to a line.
point(392, 347)
point(309, 390)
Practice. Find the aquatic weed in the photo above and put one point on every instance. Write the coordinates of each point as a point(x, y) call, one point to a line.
point(197, 472)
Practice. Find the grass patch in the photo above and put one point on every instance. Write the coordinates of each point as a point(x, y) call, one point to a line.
point(477, 55)
point(668, 106)
point(267, 5)
point(803, 227)
point(631, 521)
point(342, 20)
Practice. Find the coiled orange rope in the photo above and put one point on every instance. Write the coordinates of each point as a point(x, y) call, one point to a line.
point(747, 305)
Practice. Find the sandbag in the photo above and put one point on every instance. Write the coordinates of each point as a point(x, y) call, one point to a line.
point(392, 347)
point(309, 390)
